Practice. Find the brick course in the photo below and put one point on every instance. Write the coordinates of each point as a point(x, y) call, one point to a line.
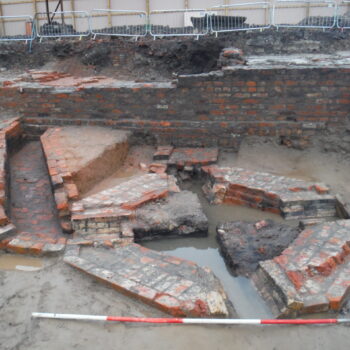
point(206, 109)
point(10, 133)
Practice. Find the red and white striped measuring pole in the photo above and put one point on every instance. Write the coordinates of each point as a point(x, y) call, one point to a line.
point(189, 320)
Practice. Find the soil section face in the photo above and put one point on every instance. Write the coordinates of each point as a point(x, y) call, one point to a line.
point(149, 59)
point(90, 153)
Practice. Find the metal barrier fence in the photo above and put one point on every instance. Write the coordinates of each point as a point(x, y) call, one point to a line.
point(21, 28)
point(324, 14)
point(184, 22)
point(240, 17)
point(62, 24)
point(309, 14)
point(343, 15)
point(118, 23)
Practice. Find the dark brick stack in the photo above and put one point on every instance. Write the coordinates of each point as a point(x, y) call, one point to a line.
point(214, 109)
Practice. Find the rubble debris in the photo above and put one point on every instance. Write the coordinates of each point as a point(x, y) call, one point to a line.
point(231, 56)
point(176, 286)
point(183, 162)
point(312, 274)
point(244, 244)
point(197, 157)
point(163, 153)
point(104, 211)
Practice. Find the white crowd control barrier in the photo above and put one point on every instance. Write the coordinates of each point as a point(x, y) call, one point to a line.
point(343, 15)
point(118, 23)
point(184, 22)
point(62, 24)
point(306, 14)
point(15, 28)
point(239, 17)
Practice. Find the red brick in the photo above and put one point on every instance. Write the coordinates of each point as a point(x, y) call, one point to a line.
point(296, 278)
point(71, 190)
point(251, 83)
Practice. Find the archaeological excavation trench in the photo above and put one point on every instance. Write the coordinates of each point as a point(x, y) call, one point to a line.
point(219, 194)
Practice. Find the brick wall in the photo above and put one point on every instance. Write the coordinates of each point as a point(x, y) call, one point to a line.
point(207, 109)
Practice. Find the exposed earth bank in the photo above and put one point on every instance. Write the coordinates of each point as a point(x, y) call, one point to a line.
point(149, 59)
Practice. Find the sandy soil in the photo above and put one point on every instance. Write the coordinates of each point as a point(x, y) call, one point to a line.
point(82, 145)
point(131, 167)
point(58, 288)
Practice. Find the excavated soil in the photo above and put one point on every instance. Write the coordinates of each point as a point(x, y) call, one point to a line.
point(160, 59)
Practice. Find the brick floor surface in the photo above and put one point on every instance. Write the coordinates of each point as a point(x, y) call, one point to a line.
point(176, 286)
point(32, 204)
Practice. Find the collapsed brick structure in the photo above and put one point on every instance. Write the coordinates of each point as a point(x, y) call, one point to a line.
point(176, 286)
point(105, 211)
point(312, 275)
point(77, 159)
point(291, 198)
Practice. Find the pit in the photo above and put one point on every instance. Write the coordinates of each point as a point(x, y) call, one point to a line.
point(214, 186)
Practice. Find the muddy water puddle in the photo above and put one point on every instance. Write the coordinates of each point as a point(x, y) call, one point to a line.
point(205, 252)
point(20, 263)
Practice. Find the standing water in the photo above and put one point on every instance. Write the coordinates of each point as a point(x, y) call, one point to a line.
point(205, 252)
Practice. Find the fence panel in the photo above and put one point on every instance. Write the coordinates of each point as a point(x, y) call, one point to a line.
point(343, 15)
point(118, 23)
point(62, 24)
point(306, 14)
point(184, 22)
point(239, 17)
point(17, 27)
